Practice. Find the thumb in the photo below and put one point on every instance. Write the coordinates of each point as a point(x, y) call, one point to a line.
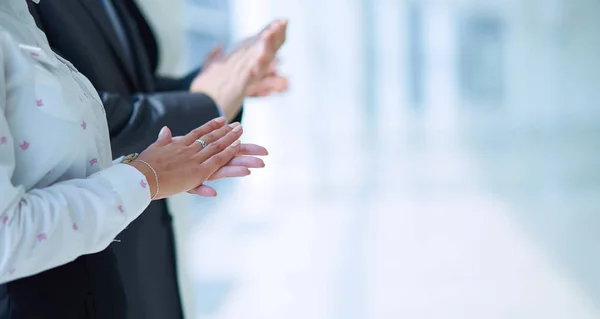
point(216, 52)
point(204, 190)
point(213, 55)
point(164, 136)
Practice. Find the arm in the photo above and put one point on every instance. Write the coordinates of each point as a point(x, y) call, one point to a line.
point(176, 84)
point(184, 84)
point(46, 227)
point(163, 84)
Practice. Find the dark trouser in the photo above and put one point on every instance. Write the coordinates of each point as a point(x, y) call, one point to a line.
point(146, 257)
point(4, 303)
point(88, 288)
point(93, 286)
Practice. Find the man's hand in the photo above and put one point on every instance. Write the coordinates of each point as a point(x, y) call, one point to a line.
point(271, 83)
point(228, 79)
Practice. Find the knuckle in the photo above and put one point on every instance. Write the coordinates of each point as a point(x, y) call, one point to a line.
point(200, 173)
point(222, 131)
point(217, 146)
point(218, 159)
point(209, 137)
point(210, 124)
point(213, 125)
point(195, 132)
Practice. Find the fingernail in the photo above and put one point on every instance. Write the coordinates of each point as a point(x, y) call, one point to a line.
point(233, 125)
point(220, 120)
point(236, 143)
point(163, 132)
point(237, 128)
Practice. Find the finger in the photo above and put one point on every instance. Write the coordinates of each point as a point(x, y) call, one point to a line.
point(230, 172)
point(203, 190)
point(252, 150)
point(269, 44)
point(246, 161)
point(250, 41)
point(264, 49)
point(213, 136)
point(260, 94)
point(271, 71)
point(220, 146)
point(266, 89)
point(242, 45)
point(164, 136)
point(247, 61)
point(241, 61)
point(268, 26)
point(273, 67)
point(221, 158)
point(284, 25)
point(214, 53)
point(278, 36)
point(267, 86)
point(195, 134)
point(213, 56)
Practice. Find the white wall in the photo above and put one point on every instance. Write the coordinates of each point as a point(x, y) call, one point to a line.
point(166, 19)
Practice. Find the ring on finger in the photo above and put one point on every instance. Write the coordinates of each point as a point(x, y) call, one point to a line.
point(202, 142)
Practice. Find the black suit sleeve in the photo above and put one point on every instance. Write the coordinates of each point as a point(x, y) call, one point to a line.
point(149, 39)
point(175, 84)
point(134, 122)
point(166, 84)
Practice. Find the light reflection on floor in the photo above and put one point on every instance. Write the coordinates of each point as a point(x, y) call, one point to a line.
point(372, 208)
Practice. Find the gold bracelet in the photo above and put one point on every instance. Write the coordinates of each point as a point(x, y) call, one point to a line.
point(155, 176)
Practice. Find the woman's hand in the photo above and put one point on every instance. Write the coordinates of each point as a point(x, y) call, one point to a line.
point(238, 166)
point(183, 164)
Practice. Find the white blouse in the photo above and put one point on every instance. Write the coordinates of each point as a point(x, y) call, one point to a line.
point(60, 194)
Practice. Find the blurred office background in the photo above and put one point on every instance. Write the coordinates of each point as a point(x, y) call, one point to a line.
point(433, 159)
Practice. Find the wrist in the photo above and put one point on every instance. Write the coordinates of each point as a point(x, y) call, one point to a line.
point(226, 107)
point(149, 174)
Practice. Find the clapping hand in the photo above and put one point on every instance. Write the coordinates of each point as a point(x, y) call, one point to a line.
point(249, 70)
point(238, 166)
point(183, 164)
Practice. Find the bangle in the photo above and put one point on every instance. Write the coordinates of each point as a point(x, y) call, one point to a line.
point(155, 176)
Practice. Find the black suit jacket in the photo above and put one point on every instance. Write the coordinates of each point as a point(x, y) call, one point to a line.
point(138, 103)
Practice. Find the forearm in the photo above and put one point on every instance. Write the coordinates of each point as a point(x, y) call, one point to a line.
point(167, 84)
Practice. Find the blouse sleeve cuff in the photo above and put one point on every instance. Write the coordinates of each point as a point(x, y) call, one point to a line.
point(131, 186)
